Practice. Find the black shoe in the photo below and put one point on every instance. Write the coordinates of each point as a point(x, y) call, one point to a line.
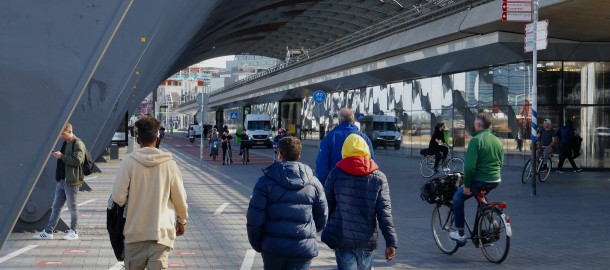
point(578, 170)
point(223, 163)
point(248, 160)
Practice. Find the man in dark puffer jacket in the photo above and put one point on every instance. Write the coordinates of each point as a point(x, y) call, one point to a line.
point(287, 208)
point(358, 197)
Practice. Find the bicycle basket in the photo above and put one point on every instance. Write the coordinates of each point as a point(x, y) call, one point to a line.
point(441, 189)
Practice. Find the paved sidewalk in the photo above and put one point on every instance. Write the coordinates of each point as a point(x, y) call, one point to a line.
point(566, 226)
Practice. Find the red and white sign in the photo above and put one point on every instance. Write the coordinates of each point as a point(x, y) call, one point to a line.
point(517, 11)
point(541, 40)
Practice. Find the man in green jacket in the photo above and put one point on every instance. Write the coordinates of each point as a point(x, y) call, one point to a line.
point(483, 162)
point(69, 176)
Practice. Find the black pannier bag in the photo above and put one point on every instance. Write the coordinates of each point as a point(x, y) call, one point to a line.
point(441, 189)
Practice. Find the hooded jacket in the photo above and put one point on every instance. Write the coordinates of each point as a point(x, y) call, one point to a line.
point(330, 148)
point(151, 184)
point(287, 208)
point(358, 198)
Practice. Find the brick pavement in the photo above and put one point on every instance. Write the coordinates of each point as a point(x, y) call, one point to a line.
point(566, 226)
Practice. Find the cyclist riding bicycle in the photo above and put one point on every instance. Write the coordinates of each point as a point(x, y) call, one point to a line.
point(548, 139)
point(438, 145)
point(226, 145)
point(214, 137)
point(483, 162)
point(245, 142)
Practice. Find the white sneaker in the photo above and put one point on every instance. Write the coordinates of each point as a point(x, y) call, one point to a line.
point(71, 235)
point(455, 235)
point(43, 236)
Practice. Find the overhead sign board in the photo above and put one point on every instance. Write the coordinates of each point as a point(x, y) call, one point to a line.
point(517, 11)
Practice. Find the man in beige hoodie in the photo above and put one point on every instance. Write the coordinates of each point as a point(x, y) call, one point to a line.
point(151, 185)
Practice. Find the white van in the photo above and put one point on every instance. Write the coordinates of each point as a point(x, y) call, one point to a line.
point(258, 127)
point(196, 128)
point(381, 130)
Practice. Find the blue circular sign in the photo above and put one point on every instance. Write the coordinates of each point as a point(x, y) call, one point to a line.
point(319, 97)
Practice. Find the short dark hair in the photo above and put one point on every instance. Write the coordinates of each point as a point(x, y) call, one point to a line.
point(290, 148)
point(485, 119)
point(148, 129)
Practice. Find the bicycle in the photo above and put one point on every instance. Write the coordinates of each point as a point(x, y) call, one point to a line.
point(491, 232)
point(228, 156)
point(543, 175)
point(214, 150)
point(451, 165)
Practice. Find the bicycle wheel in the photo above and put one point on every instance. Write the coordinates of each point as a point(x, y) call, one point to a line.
point(527, 172)
point(442, 222)
point(426, 166)
point(493, 235)
point(455, 165)
point(545, 175)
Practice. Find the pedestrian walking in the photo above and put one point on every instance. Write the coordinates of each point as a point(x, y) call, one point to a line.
point(69, 176)
point(358, 198)
point(566, 144)
point(330, 147)
point(150, 184)
point(286, 210)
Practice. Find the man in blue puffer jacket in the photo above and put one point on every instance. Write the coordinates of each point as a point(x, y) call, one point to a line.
point(358, 198)
point(330, 147)
point(287, 208)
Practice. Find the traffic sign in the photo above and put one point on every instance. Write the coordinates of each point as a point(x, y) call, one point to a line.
point(233, 115)
point(319, 97)
point(517, 10)
point(540, 25)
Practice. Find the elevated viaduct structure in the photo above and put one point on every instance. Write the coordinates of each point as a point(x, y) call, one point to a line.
point(91, 62)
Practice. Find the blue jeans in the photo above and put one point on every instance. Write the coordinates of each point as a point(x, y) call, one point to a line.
point(64, 193)
point(276, 262)
point(459, 198)
point(354, 259)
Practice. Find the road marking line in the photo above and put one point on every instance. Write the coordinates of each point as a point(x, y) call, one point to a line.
point(221, 208)
point(117, 266)
point(16, 253)
point(248, 260)
point(80, 204)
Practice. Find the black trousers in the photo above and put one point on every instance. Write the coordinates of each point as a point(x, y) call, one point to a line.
point(565, 151)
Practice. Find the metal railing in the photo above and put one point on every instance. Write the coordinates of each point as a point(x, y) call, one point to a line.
point(415, 16)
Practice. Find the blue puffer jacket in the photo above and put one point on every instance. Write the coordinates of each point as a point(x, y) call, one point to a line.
point(358, 198)
point(287, 208)
point(330, 148)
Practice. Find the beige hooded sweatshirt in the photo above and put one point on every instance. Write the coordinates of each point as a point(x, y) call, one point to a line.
point(151, 184)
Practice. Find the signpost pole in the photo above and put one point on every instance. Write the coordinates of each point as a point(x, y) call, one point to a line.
point(534, 99)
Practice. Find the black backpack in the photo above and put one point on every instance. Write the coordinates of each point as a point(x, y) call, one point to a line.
point(87, 163)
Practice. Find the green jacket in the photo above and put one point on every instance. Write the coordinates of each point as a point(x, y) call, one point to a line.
point(73, 160)
point(484, 158)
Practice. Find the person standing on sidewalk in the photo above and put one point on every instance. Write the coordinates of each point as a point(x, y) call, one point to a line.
point(358, 198)
point(482, 167)
point(286, 210)
point(69, 176)
point(150, 184)
point(330, 147)
point(566, 141)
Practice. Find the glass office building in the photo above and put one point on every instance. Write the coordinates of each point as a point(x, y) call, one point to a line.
point(578, 91)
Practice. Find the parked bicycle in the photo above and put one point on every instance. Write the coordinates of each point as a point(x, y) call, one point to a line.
point(451, 165)
point(541, 172)
point(491, 232)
